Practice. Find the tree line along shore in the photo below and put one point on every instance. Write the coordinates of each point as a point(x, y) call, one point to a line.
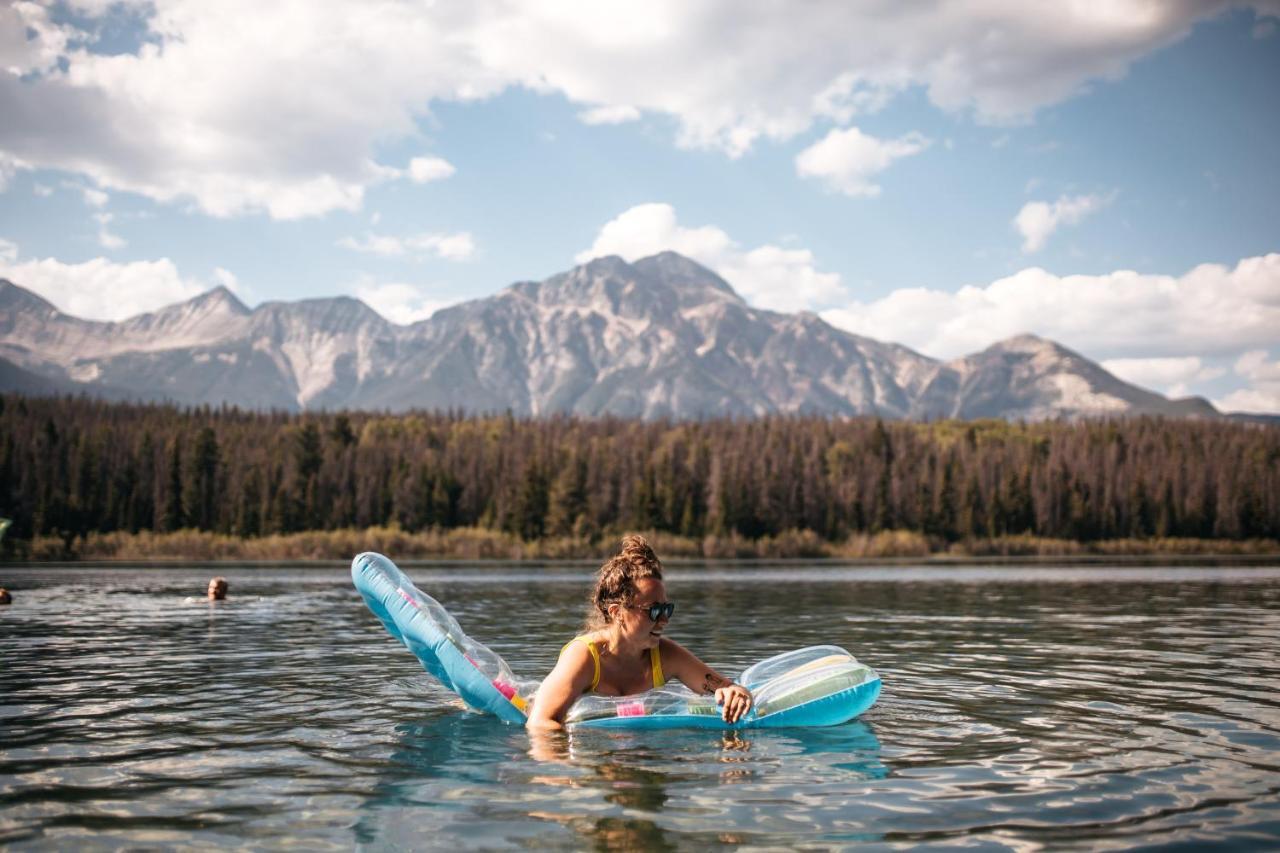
point(82, 478)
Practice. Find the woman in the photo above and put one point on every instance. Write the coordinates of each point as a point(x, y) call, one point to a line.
point(624, 649)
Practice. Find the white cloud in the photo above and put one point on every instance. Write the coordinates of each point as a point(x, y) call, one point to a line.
point(374, 244)
point(781, 279)
point(229, 280)
point(458, 246)
point(106, 238)
point(1264, 395)
point(732, 73)
point(647, 229)
point(242, 107)
point(1250, 400)
point(620, 114)
point(767, 276)
point(1172, 376)
point(849, 95)
point(1210, 310)
point(249, 107)
point(1037, 220)
point(848, 160)
point(426, 169)
point(91, 196)
point(109, 240)
point(29, 41)
point(398, 302)
point(42, 190)
point(1254, 365)
point(8, 251)
point(9, 166)
point(101, 289)
point(452, 247)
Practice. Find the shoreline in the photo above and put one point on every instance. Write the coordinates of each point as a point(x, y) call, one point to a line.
point(1269, 560)
point(465, 545)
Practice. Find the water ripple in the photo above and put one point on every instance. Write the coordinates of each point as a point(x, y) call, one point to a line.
point(1080, 708)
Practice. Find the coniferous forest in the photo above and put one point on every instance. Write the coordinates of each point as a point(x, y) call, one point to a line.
point(73, 468)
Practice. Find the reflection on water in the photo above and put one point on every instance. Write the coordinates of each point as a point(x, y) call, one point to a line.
point(1021, 708)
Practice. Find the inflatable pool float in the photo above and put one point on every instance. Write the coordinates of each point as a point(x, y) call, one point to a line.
point(815, 686)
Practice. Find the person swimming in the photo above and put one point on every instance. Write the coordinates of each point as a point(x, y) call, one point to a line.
point(624, 649)
point(218, 588)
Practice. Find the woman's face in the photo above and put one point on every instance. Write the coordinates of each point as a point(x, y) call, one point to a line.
point(634, 621)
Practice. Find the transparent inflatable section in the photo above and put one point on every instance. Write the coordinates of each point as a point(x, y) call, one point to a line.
point(667, 701)
point(777, 684)
point(519, 692)
point(429, 607)
point(793, 678)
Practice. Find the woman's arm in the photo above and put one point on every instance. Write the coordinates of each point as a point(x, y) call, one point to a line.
point(678, 662)
point(569, 680)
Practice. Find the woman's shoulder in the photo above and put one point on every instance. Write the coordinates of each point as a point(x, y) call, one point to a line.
point(580, 660)
point(676, 659)
point(582, 646)
point(667, 645)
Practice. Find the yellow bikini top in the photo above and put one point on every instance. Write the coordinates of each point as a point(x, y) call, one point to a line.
point(655, 662)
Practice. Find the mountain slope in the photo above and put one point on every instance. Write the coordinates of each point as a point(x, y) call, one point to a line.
point(661, 337)
point(1032, 378)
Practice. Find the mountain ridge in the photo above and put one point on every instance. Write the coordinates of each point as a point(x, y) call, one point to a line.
point(660, 337)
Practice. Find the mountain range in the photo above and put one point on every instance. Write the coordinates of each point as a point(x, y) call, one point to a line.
point(660, 337)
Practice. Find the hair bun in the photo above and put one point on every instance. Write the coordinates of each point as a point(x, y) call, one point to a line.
point(636, 549)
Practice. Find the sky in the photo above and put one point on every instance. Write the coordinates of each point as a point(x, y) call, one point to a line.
point(940, 175)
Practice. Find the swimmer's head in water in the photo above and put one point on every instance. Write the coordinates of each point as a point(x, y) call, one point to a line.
point(217, 588)
point(5, 598)
point(617, 582)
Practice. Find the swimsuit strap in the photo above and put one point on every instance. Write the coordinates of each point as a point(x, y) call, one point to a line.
point(595, 656)
point(655, 663)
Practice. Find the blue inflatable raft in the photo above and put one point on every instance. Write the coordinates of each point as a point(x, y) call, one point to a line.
point(815, 686)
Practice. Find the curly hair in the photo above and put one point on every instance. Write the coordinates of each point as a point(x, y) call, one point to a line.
point(616, 580)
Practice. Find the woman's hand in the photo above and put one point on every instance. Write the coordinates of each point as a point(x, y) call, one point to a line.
point(734, 701)
point(678, 662)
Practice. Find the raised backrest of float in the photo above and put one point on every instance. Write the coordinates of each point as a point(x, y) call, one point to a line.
point(472, 670)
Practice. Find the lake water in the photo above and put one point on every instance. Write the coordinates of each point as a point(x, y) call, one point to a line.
point(1022, 708)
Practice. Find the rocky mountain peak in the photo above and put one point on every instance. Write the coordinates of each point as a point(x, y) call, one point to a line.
point(678, 271)
point(1026, 344)
point(203, 319)
point(1028, 354)
point(332, 313)
point(657, 288)
point(220, 297)
point(19, 299)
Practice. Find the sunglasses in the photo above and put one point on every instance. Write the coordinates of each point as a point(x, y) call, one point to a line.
point(657, 610)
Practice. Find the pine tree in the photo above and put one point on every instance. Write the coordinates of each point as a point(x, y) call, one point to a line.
point(202, 495)
point(173, 515)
